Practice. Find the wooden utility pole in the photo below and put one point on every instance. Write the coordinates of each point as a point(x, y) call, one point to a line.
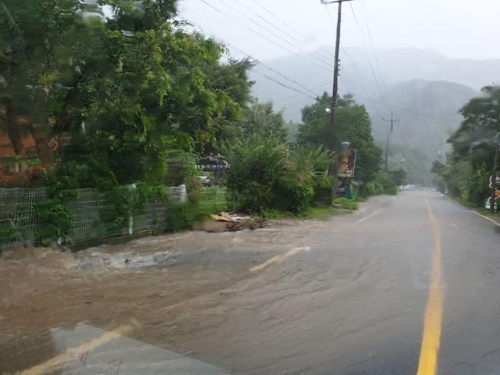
point(494, 174)
point(335, 89)
point(392, 121)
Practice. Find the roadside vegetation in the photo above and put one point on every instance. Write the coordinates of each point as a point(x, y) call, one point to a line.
point(126, 103)
point(465, 175)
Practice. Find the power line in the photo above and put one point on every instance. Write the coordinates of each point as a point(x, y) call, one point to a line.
point(390, 105)
point(296, 95)
point(292, 28)
point(276, 72)
point(285, 33)
point(311, 90)
point(345, 74)
point(271, 41)
point(284, 85)
point(335, 88)
point(272, 70)
point(276, 27)
point(211, 6)
point(373, 48)
point(286, 49)
point(358, 75)
point(369, 62)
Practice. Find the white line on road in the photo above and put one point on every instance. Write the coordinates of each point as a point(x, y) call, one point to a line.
point(369, 216)
point(487, 218)
point(279, 258)
point(477, 213)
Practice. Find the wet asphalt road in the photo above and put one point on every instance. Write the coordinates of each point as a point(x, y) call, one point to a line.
point(354, 301)
point(407, 285)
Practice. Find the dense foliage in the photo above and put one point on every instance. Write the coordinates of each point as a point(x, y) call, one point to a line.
point(266, 176)
point(124, 98)
point(352, 125)
point(468, 167)
point(121, 96)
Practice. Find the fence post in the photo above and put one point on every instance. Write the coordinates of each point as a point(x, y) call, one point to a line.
point(131, 187)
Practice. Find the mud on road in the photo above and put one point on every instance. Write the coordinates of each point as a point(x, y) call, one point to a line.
point(154, 280)
point(178, 288)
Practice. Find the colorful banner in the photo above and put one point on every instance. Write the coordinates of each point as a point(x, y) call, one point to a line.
point(346, 163)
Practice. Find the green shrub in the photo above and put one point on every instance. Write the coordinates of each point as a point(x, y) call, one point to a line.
point(292, 193)
point(367, 189)
point(257, 165)
point(393, 190)
point(382, 184)
point(200, 205)
point(266, 177)
point(323, 186)
point(7, 233)
point(182, 216)
point(346, 203)
point(479, 190)
point(57, 221)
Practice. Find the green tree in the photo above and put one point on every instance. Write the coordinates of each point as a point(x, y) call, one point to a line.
point(352, 125)
point(399, 177)
point(260, 119)
point(125, 90)
point(470, 163)
point(121, 95)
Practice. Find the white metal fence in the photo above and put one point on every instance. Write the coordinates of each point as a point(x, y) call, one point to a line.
point(19, 221)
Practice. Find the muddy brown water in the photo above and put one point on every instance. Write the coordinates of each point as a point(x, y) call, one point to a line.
point(166, 283)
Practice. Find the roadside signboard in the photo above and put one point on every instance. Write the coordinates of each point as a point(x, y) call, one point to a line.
point(346, 163)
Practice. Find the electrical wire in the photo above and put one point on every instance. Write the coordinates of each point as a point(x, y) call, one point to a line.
point(369, 62)
point(271, 41)
point(294, 29)
point(373, 48)
point(274, 71)
point(335, 27)
point(211, 6)
point(321, 56)
point(358, 75)
point(390, 105)
point(326, 62)
point(271, 69)
point(299, 92)
point(284, 85)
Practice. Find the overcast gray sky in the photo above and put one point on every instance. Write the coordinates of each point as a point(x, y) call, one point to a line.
point(455, 28)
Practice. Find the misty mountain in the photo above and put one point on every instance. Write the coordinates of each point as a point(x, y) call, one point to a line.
point(360, 75)
point(424, 91)
point(431, 116)
point(421, 134)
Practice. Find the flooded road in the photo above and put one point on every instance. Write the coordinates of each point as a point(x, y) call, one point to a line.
point(358, 294)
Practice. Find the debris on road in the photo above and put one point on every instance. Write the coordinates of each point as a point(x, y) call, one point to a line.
point(226, 217)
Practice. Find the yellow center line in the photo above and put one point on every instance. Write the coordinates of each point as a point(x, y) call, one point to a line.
point(79, 352)
point(278, 259)
point(431, 338)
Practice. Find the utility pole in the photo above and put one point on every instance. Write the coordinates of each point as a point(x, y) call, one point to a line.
point(392, 121)
point(494, 174)
point(335, 89)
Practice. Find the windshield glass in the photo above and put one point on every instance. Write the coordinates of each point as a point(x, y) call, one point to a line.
point(249, 187)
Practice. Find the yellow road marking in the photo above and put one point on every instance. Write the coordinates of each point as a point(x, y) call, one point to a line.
point(79, 352)
point(369, 216)
point(431, 338)
point(278, 259)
